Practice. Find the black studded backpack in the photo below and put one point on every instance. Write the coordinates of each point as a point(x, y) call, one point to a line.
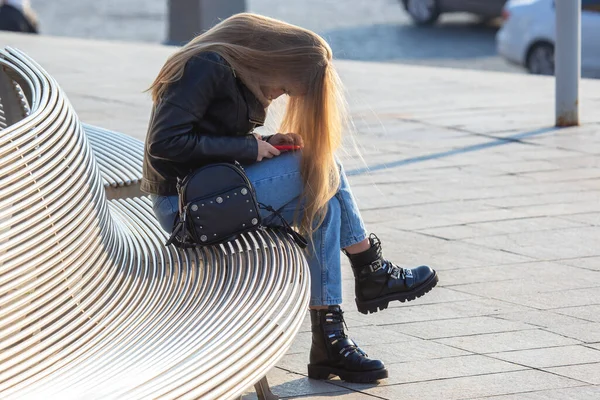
point(217, 203)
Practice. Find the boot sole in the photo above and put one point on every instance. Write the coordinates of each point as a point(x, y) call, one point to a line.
point(372, 306)
point(324, 372)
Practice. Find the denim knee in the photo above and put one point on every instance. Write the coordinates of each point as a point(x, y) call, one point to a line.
point(165, 209)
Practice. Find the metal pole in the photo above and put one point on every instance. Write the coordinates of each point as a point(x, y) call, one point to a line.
point(188, 18)
point(568, 61)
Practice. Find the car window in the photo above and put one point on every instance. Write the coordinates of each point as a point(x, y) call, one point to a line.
point(590, 5)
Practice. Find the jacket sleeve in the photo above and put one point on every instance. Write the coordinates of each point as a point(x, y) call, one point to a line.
point(172, 135)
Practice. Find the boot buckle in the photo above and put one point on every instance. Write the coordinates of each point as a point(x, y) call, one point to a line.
point(395, 274)
point(401, 273)
point(374, 266)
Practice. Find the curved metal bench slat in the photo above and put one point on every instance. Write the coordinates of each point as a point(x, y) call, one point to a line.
point(120, 157)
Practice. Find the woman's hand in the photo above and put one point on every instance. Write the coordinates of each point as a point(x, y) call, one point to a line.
point(265, 150)
point(286, 138)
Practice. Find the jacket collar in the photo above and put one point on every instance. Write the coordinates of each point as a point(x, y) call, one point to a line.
point(256, 111)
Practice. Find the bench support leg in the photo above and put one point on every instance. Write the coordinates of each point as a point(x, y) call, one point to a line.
point(263, 391)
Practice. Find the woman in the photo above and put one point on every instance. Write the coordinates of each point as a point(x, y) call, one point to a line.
point(17, 16)
point(208, 98)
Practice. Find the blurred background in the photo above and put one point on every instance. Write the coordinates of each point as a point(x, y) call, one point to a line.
point(370, 30)
point(444, 33)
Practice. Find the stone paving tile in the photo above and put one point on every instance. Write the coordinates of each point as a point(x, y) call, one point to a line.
point(557, 210)
point(534, 224)
point(589, 373)
point(445, 328)
point(475, 182)
point(515, 167)
point(471, 183)
point(548, 280)
point(480, 123)
point(573, 393)
point(457, 232)
point(561, 298)
point(442, 368)
point(432, 312)
point(544, 199)
point(369, 172)
point(544, 319)
point(508, 341)
point(432, 209)
point(588, 312)
point(376, 164)
point(404, 221)
point(551, 357)
point(507, 214)
point(407, 221)
point(560, 160)
point(554, 244)
point(587, 332)
point(537, 152)
point(538, 273)
point(587, 218)
point(386, 196)
point(584, 262)
point(589, 184)
point(474, 386)
point(587, 145)
point(573, 174)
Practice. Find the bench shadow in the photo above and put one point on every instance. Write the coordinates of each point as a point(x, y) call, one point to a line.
point(305, 387)
point(497, 141)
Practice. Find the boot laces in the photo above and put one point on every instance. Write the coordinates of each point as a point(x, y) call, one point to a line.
point(337, 317)
point(394, 271)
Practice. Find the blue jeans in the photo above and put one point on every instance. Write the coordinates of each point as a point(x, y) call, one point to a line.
point(278, 183)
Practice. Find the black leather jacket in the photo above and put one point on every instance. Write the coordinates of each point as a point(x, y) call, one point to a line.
point(206, 116)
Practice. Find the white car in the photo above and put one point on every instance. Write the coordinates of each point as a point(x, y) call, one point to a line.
point(528, 35)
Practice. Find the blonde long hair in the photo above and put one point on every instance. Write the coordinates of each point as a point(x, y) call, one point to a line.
point(265, 51)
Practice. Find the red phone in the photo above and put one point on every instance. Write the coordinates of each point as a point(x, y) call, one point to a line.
point(287, 147)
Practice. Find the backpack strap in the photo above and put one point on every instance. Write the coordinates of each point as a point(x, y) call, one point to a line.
point(298, 238)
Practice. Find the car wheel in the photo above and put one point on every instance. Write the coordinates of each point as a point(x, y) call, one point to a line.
point(423, 12)
point(540, 59)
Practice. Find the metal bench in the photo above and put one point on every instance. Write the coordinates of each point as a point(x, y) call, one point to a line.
point(92, 305)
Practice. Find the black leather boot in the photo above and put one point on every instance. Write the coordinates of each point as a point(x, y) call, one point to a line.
point(378, 281)
point(333, 353)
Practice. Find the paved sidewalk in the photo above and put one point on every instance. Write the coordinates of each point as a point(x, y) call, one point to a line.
point(466, 174)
